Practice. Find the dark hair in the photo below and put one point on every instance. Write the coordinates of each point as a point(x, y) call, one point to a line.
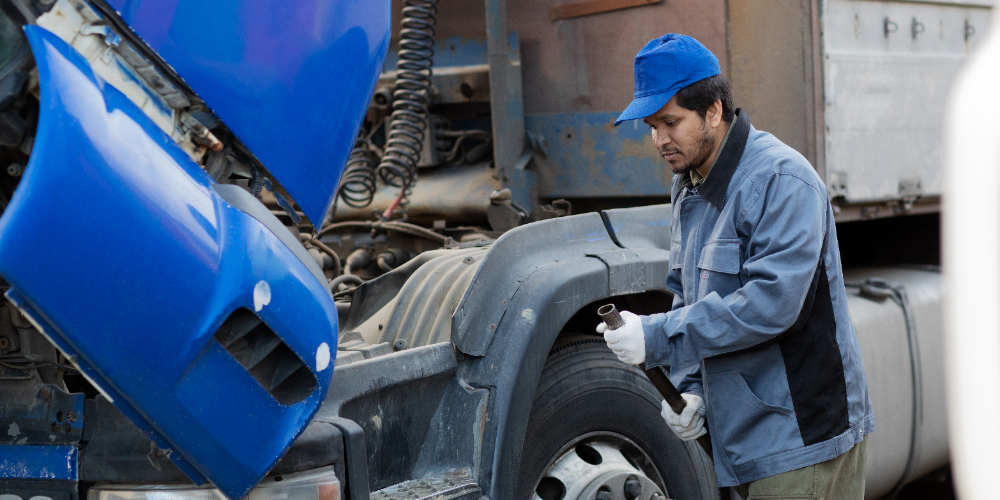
point(700, 95)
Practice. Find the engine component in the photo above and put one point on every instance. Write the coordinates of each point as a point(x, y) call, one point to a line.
point(503, 214)
point(391, 259)
point(359, 259)
point(357, 187)
point(411, 98)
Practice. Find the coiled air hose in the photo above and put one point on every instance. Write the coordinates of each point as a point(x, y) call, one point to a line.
point(358, 186)
point(411, 97)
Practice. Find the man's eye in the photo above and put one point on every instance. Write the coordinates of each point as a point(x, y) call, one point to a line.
point(672, 123)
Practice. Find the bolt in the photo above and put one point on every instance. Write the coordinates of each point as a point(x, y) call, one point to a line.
point(45, 394)
point(4, 343)
point(603, 495)
point(633, 488)
point(399, 345)
point(15, 170)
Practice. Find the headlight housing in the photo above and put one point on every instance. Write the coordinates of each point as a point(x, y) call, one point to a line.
point(316, 484)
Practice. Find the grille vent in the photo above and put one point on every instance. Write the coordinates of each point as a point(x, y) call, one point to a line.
point(266, 357)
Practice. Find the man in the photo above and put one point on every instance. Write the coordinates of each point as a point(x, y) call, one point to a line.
point(758, 338)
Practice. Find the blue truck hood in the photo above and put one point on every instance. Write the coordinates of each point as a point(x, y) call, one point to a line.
point(292, 80)
point(184, 301)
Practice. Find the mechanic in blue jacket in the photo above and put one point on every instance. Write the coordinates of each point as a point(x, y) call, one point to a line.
point(759, 338)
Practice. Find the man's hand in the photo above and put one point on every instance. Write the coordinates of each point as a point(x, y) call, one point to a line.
point(627, 342)
point(690, 424)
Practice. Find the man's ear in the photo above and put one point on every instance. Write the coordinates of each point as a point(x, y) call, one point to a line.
point(714, 114)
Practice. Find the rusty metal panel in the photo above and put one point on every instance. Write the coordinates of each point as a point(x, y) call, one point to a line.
point(588, 157)
point(888, 68)
point(584, 64)
point(772, 65)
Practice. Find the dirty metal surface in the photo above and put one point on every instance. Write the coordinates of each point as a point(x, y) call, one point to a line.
point(38, 462)
point(510, 261)
point(572, 65)
point(455, 437)
point(774, 68)
point(422, 313)
point(456, 486)
point(506, 100)
point(584, 64)
point(640, 227)
point(588, 157)
point(468, 189)
point(393, 399)
point(626, 271)
point(589, 7)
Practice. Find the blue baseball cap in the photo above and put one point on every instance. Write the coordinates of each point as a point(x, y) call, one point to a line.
point(663, 67)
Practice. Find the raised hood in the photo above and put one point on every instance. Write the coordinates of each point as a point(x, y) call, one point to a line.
point(292, 80)
point(185, 302)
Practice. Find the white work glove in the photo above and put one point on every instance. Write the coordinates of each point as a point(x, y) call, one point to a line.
point(690, 424)
point(627, 342)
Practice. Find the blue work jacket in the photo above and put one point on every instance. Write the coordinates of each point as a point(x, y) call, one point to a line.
point(759, 325)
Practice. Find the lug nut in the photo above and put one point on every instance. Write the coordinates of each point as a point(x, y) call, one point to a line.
point(602, 495)
point(633, 488)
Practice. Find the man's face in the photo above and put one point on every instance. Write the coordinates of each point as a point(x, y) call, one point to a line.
point(684, 139)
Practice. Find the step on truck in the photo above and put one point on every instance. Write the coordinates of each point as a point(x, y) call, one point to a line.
point(354, 250)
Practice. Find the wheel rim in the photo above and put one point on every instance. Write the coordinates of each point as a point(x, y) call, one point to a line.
point(600, 466)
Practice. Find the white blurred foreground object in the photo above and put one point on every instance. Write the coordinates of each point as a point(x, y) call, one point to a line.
point(971, 248)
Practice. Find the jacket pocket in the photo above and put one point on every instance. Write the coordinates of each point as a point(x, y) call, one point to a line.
point(719, 267)
point(747, 428)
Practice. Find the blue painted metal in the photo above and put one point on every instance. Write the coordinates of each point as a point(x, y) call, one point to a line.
point(56, 463)
point(452, 51)
point(157, 261)
point(588, 157)
point(292, 80)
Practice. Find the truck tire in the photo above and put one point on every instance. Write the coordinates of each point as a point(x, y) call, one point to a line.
point(595, 427)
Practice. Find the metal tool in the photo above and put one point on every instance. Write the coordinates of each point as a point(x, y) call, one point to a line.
point(656, 375)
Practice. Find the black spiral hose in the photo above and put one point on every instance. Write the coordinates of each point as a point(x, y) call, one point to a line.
point(412, 95)
point(357, 187)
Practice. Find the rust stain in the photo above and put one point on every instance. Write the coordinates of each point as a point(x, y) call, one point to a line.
point(588, 148)
point(639, 148)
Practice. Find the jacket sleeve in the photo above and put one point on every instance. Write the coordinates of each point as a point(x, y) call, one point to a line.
point(674, 285)
point(687, 379)
point(786, 225)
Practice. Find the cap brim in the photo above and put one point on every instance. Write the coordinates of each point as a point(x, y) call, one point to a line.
point(642, 107)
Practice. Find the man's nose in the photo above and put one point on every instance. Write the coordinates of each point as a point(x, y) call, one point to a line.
point(660, 139)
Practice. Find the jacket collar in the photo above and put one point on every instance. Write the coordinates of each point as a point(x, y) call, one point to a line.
point(715, 185)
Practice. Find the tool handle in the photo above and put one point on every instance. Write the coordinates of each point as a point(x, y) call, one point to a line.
point(673, 399)
point(666, 389)
point(609, 313)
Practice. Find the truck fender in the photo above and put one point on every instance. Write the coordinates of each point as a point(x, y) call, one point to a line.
point(532, 281)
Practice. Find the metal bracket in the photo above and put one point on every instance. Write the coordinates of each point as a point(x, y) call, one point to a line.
point(626, 271)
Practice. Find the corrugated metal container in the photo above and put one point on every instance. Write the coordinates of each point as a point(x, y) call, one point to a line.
point(858, 87)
